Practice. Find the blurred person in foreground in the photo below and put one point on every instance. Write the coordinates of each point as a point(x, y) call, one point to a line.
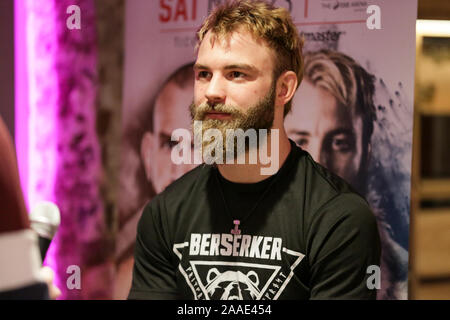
point(229, 231)
point(22, 276)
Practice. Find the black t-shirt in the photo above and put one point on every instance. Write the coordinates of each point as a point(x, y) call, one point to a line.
point(309, 237)
point(240, 200)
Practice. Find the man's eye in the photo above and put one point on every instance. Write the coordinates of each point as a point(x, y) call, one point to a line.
point(342, 143)
point(169, 144)
point(202, 74)
point(237, 74)
point(302, 142)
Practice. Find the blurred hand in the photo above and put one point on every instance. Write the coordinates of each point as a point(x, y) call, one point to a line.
point(48, 276)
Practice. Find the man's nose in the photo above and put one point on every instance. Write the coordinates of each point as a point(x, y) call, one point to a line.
point(215, 93)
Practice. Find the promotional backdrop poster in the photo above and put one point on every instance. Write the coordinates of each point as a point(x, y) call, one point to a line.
point(365, 108)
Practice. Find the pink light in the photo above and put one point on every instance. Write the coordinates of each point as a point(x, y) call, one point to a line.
point(21, 93)
point(36, 102)
point(36, 98)
point(57, 143)
point(43, 100)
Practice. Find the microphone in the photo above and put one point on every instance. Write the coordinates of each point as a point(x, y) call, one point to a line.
point(44, 220)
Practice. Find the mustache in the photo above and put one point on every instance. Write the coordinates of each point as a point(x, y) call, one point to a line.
point(199, 112)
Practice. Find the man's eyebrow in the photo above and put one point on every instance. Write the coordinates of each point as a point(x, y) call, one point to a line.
point(200, 67)
point(341, 131)
point(164, 136)
point(331, 133)
point(241, 66)
point(304, 133)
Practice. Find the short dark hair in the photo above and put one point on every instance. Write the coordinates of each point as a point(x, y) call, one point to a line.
point(265, 21)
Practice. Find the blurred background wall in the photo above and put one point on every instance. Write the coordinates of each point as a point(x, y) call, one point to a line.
point(430, 194)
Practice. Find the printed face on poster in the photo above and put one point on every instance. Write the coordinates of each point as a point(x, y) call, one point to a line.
point(353, 111)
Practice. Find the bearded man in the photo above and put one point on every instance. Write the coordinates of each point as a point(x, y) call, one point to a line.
point(229, 231)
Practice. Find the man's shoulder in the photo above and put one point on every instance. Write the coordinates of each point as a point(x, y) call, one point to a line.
point(331, 202)
point(323, 187)
point(326, 179)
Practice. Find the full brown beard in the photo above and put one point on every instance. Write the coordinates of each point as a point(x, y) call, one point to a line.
point(259, 116)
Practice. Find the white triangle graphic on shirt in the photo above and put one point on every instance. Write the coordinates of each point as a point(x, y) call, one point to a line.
point(203, 283)
point(239, 277)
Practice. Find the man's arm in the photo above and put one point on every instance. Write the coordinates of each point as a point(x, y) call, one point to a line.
point(153, 273)
point(343, 241)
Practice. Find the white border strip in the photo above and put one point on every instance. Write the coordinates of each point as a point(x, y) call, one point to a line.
point(433, 28)
point(21, 261)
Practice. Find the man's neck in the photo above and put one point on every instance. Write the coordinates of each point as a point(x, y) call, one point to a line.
point(252, 173)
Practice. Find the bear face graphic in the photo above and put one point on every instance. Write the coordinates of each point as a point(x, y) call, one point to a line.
point(232, 285)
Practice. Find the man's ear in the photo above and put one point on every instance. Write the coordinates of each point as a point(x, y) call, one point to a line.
point(286, 87)
point(148, 142)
